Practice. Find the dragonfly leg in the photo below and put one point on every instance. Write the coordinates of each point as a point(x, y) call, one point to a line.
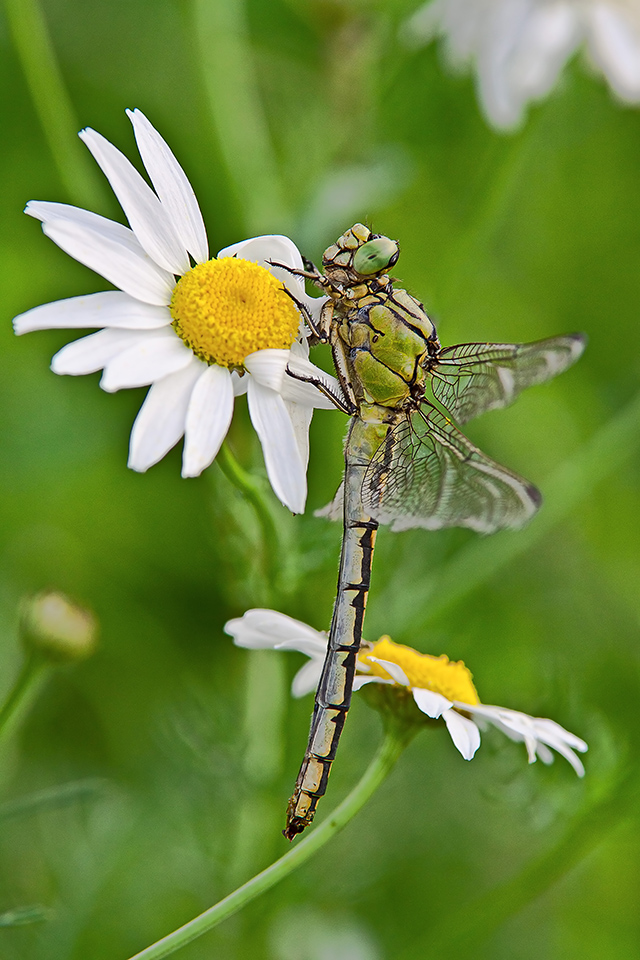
point(317, 330)
point(343, 405)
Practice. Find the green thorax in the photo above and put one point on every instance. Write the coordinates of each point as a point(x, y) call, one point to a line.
point(387, 336)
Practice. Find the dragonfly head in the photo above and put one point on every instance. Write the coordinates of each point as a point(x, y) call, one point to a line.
point(359, 255)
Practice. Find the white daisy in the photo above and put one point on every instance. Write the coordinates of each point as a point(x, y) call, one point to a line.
point(519, 47)
point(438, 686)
point(199, 332)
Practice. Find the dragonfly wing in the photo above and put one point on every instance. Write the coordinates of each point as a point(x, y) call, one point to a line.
point(426, 473)
point(470, 378)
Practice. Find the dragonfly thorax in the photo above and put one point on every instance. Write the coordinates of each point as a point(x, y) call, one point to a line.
point(389, 338)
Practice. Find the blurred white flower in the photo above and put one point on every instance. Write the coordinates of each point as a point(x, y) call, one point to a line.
point(439, 687)
point(518, 48)
point(199, 331)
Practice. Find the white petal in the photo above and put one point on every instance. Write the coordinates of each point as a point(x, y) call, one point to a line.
point(268, 367)
point(110, 309)
point(360, 682)
point(91, 353)
point(300, 421)
point(615, 47)
point(463, 732)
point(172, 186)
point(208, 418)
point(271, 368)
point(156, 355)
point(48, 211)
point(113, 258)
point(146, 215)
point(433, 704)
point(260, 628)
point(316, 649)
point(306, 679)
point(394, 670)
point(274, 247)
point(544, 753)
point(534, 731)
point(550, 729)
point(160, 422)
point(240, 383)
point(279, 446)
point(299, 391)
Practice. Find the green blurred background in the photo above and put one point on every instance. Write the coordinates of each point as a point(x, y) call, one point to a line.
point(147, 782)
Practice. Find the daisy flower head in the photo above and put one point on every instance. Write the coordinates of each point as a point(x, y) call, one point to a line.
point(419, 687)
point(198, 331)
point(518, 48)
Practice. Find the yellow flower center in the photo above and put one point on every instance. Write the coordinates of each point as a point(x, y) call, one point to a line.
point(226, 309)
point(439, 674)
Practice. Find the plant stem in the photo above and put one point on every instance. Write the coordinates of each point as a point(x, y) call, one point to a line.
point(50, 98)
point(253, 490)
point(27, 679)
point(391, 748)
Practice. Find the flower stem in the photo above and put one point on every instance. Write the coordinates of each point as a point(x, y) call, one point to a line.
point(391, 748)
point(253, 490)
point(28, 678)
point(53, 105)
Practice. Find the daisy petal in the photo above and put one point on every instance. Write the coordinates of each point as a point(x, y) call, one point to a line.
point(260, 628)
point(274, 248)
point(114, 259)
point(279, 446)
point(160, 422)
point(286, 373)
point(360, 682)
point(48, 211)
point(91, 353)
point(306, 679)
point(268, 367)
point(301, 421)
point(433, 704)
point(615, 47)
point(394, 670)
point(295, 388)
point(172, 186)
point(156, 355)
point(463, 732)
point(208, 418)
point(149, 220)
point(111, 309)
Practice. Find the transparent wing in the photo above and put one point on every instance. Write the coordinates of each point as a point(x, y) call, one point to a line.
point(428, 474)
point(470, 378)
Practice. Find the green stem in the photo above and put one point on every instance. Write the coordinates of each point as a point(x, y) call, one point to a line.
point(253, 490)
point(392, 746)
point(27, 679)
point(239, 120)
point(52, 102)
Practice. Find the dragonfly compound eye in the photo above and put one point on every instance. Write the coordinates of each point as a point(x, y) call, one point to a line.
point(375, 256)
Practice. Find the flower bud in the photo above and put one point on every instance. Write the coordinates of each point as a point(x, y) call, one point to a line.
point(54, 626)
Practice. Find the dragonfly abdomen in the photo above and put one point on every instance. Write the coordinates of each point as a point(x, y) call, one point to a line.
point(333, 697)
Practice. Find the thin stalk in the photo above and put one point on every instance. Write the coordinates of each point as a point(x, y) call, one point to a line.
point(51, 100)
point(25, 683)
point(253, 491)
point(391, 748)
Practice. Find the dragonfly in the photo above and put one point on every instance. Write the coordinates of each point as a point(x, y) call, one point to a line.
point(406, 463)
